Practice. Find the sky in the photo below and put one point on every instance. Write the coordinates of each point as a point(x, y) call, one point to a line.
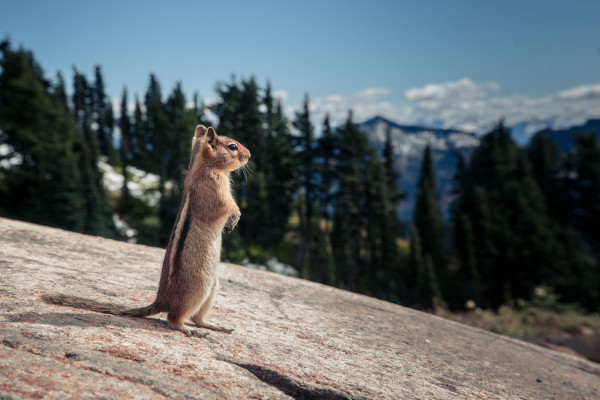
point(455, 64)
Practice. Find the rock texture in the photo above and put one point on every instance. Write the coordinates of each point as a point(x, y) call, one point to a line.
point(292, 339)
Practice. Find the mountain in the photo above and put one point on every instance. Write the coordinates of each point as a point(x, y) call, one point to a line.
point(409, 144)
point(564, 138)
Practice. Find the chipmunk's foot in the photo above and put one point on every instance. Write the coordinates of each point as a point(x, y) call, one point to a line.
point(189, 332)
point(213, 327)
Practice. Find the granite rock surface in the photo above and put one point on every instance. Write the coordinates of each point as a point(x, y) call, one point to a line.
point(293, 339)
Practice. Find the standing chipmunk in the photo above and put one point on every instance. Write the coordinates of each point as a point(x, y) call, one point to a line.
point(188, 282)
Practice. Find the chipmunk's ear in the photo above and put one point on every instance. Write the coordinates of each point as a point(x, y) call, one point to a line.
point(211, 136)
point(200, 131)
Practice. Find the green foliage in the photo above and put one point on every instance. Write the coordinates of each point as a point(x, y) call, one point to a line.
point(102, 117)
point(325, 202)
point(97, 219)
point(306, 197)
point(44, 186)
point(280, 173)
point(429, 228)
point(541, 316)
point(428, 219)
point(511, 233)
point(125, 127)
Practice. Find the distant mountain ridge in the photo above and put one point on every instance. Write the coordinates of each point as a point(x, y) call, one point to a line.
point(565, 138)
point(409, 142)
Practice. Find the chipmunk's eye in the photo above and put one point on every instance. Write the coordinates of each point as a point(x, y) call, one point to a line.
point(232, 146)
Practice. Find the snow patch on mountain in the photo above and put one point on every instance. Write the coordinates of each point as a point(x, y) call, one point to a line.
point(409, 143)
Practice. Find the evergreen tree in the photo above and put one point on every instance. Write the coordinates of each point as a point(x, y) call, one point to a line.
point(467, 276)
point(585, 166)
point(422, 278)
point(503, 217)
point(281, 180)
point(60, 91)
point(552, 173)
point(381, 228)
point(305, 130)
point(155, 135)
point(102, 117)
point(125, 127)
point(428, 219)
point(325, 151)
point(138, 145)
point(98, 213)
point(348, 221)
point(42, 184)
point(545, 159)
point(257, 208)
point(395, 194)
point(582, 182)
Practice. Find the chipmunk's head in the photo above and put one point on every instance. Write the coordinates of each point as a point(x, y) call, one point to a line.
point(218, 152)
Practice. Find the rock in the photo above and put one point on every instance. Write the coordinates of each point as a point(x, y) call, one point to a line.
point(293, 338)
point(586, 345)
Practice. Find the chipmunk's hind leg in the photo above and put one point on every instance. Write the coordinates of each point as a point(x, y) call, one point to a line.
point(198, 318)
point(178, 313)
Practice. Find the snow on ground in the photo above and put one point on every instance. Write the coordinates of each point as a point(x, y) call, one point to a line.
point(141, 184)
point(14, 160)
point(273, 265)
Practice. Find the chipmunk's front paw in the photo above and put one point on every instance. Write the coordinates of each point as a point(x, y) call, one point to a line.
point(232, 222)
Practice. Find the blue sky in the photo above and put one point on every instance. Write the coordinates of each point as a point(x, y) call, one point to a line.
point(444, 63)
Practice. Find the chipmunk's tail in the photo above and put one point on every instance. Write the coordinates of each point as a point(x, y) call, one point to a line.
point(106, 308)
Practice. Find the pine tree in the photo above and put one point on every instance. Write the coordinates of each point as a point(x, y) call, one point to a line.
point(545, 159)
point(281, 180)
point(414, 275)
point(428, 219)
point(575, 268)
point(585, 164)
point(325, 151)
point(155, 135)
point(346, 236)
point(392, 175)
point(42, 185)
point(125, 127)
point(60, 91)
point(257, 208)
point(102, 117)
point(468, 276)
point(515, 241)
point(98, 213)
point(381, 228)
point(305, 130)
point(582, 182)
point(140, 149)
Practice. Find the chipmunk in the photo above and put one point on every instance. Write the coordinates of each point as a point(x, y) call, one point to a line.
point(188, 281)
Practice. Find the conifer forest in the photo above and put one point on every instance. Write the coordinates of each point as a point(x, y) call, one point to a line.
point(319, 198)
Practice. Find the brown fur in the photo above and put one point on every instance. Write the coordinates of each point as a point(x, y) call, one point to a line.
point(188, 281)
